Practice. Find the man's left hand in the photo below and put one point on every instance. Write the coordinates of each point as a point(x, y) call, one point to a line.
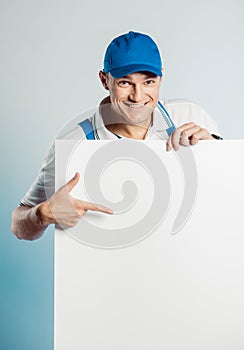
point(187, 134)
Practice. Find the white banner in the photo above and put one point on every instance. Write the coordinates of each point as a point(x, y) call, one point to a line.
point(166, 270)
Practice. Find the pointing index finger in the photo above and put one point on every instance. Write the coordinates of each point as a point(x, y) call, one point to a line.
point(96, 207)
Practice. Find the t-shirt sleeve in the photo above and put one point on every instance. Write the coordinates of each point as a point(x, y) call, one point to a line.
point(210, 124)
point(44, 185)
point(184, 111)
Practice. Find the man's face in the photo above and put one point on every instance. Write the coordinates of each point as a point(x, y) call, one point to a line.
point(134, 96)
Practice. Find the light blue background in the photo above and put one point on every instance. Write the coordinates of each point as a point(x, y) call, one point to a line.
point(51, 52)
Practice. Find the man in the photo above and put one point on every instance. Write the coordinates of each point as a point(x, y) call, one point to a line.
point(132, 74)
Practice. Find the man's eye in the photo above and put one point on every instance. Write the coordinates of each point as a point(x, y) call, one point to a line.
point(123, 83)
point(149, 82)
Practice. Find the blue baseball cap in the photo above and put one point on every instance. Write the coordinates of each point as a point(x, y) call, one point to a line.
point(130, 53)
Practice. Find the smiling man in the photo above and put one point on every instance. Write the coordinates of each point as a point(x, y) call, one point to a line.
point(132, 100)
point(132, 74)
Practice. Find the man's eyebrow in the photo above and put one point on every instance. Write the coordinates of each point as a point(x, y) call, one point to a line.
point(150, 76)
point(125, 77)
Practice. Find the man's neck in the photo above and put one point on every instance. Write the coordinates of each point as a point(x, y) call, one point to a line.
point(114, 123)
point(127, 130)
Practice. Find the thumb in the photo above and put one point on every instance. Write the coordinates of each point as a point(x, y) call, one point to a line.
point(73, 182)
point(169, 144)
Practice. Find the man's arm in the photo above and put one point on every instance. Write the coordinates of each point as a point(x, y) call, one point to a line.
point(61, 209)
point(26, 223)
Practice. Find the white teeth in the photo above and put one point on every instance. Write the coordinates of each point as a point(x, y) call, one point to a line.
point(133, 105)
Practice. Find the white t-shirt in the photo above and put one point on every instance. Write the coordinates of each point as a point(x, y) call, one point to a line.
point(180, 111)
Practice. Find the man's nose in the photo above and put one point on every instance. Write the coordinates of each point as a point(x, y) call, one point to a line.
point(136, 93)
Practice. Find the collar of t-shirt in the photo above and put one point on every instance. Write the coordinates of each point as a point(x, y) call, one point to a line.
point(156, 131)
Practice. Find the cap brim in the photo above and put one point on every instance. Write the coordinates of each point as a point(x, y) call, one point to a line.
point(124, 71)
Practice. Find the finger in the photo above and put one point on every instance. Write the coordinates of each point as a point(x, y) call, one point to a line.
point(202, 134)
point(186, 135)
point(174, 139)
point(190, 131)
point(73, 182)
point(186, 126)
point(169, 144)
point(94, 207)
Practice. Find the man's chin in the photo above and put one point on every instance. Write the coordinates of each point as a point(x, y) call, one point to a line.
point(138, 118)
point(137, 115)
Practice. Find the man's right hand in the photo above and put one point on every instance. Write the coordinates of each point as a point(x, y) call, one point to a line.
point(64, 210)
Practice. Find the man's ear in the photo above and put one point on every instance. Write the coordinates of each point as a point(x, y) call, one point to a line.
point(103, 77)
point(162, 77)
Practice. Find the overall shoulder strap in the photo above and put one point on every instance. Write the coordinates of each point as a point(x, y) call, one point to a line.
point(168, 120)
point(87, 128)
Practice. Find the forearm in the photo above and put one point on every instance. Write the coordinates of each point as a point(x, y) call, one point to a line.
point(27, 223)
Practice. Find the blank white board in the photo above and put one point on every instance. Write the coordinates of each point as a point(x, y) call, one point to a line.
point(176, 283)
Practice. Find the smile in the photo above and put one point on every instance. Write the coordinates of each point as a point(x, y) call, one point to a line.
point(135, 105)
